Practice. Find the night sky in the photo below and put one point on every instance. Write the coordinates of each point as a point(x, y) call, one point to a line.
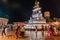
point(21, 10)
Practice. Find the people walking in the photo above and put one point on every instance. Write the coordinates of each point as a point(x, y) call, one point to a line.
point(22, 31)
point(3, 30)
point(18, 31)
point(42, 30)
point(55, 30)
point(50, 31)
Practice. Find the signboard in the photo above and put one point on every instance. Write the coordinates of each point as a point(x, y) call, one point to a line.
point(47, 14)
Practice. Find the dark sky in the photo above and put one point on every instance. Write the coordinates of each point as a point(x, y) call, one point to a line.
point(21, 10)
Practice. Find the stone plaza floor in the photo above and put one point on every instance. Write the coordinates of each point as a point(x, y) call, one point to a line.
point(30, 35)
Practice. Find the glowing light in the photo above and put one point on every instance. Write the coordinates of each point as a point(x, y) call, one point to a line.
point(36, 9)
point(3, 21)
point(4, 1)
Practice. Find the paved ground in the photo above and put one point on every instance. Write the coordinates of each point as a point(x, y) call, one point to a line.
point(30, 35)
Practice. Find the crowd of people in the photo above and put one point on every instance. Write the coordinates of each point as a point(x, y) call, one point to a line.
point(19, 31)
point(53, 30)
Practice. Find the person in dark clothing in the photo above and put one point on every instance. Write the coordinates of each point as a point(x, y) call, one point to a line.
point(11, 28)
point(52, 28)
point(22, 31)
point(3, 31)
point(42, 28)
point(17, 31)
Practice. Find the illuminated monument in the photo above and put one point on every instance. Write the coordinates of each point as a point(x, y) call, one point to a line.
point(37, 19)
point(37, 16)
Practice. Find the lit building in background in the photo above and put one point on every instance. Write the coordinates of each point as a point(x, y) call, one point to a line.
point(19, 23)
point(3, 21)
point(47, 14)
